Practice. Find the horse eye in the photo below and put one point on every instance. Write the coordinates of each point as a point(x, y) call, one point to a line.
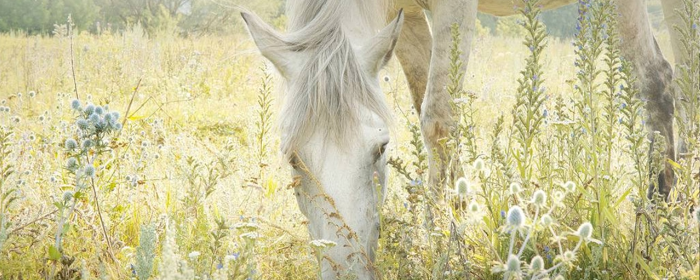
point(380, 151)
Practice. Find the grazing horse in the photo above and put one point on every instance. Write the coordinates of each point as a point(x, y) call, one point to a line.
point(335, 121)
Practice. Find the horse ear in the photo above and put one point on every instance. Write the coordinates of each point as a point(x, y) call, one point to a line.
point(269, 42)
point(377, 52)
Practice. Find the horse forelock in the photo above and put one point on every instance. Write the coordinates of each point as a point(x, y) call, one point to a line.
point(331, 88)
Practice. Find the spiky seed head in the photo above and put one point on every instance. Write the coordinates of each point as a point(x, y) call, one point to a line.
point(569, 186)
point(558, 196)
point(75, 104)
point(89, 109)
point(474, 207)
point(70, 144)
point(94, 118)
point(547, 220)
point(513, 263)
point(67, 196)
point(117, 126)
point(87, 143)
point(115, 115)
point(585, 230)
point(479, 164)
point(539, 198)
point(89, 170)
point(514, 188)
point(537, 264)
point(99, 110)
point(462, 188)
point(516, 217)
point(72, 163)
point(82, 124)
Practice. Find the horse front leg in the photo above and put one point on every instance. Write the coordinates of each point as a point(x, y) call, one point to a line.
point(436, 113)
point(654, 76)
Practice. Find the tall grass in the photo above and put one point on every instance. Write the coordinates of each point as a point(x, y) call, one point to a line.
point(551, 136)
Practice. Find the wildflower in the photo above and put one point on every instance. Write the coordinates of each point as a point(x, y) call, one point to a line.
point(322, 244)
point(462, 188)
point(94, 118)
point(585, 231)
point(503, 214)
point(99, 110)
point(539, 198)
point(72, 163)
point(32, 94)
point(87, 143)
point(89, 170)
point(567, 257)
point(474, 207)
point(536, 264)
point(117, 126)
point(479, 165)
point(194, 255)
point(547, 220)
point(513, 264)
point(569, 186)
point(15, 119)
point(75, 104)
point(71, 144)
point(67, 196)
point(89, 109)
point(19, 94)
point(514, 188)
point(516, 217)
point(115, 115)
point(82, 124)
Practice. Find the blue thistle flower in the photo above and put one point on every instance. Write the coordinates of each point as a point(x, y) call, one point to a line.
point(503, 214)
point(75, 104)
point(89, 171)
point(87, 143)
point(72, 163)
point(99, 110)
point(82, 124)
point(71, 144)
point(94, 118)
point(89, 109)
point(117, 126)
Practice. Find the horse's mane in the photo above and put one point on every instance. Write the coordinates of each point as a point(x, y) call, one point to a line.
point(331, 88)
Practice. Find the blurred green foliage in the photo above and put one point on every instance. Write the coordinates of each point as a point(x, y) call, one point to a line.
point(154, 16)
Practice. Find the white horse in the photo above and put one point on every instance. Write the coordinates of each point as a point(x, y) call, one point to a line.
point(335, 125)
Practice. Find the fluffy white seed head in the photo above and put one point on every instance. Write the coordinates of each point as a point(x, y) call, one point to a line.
point(513, 263)
point(474, 207)
point(585, 230)
point(547, 220)
point(479, 165)
point(514, 188)
point(462, 187)
point(569, 186)
point(516, 217)
point(537, 264)
point(539, 198)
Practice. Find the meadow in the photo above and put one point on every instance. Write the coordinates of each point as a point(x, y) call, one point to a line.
point(179, 176)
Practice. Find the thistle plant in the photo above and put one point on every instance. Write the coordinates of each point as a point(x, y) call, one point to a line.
point(93, 127)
